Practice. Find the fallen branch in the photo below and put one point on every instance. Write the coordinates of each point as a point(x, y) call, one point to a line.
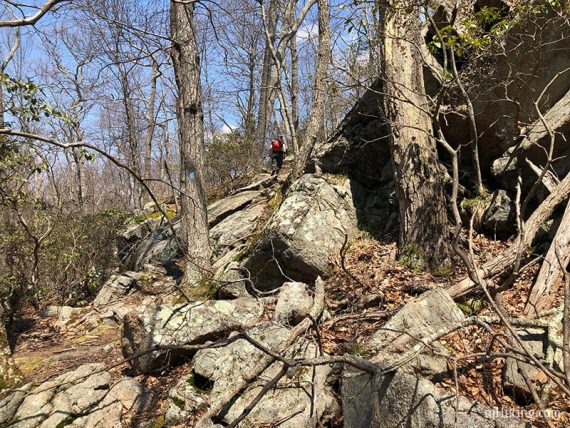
point(552, 270)
point(506, 259)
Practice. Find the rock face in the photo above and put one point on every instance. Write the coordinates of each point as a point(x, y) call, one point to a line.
point(182, 324)
point(81, 398)
point(305, 234)
point(500, 215)
point(301, 399)
point(230, 220)
point(403, 400)
point(431, 312)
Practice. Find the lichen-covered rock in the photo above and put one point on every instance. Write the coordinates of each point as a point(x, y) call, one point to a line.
point(125, 396)
point(432, 311)
point(232, 282)
point(305, 234)
point(293, 303)
point(235, 229)
point(185, 400)
point(56, 401)
point(172, 325)
point(116, 288)
point(289, 402)
point(408, 401)
point(223, 208)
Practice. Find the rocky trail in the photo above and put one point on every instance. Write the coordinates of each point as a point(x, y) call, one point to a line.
point(139, 355)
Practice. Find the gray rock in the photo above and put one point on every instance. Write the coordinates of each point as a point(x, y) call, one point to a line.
point(404, 400)
point(235, 229)
point(499, 217)
point(160, 247)
point(58, 400)
point(184, 401)
point(431, 312)
point(232, 283)
point(305, 234)
point(224, 367)
point(182, 324)
point(116, 288)
point(293, 303)
point(536, 340)
point(125, 396)
point(221, 209)
point(10, 402)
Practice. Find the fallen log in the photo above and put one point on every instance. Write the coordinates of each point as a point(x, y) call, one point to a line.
point(507, 258)
point(552, 270)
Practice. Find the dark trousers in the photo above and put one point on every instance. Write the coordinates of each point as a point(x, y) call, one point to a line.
point(277, 160)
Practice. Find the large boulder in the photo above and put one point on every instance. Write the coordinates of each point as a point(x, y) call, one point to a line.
point(305, 234)
point(300, 399)
point(235, 229)
point(182, 324)
point(84, 397)
point(404, 400)
point(160, 246)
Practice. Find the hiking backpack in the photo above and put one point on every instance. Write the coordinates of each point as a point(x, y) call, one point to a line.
point(276, 146)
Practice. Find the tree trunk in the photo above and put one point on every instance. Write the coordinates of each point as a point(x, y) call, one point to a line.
point(266, 89)
point(418, 174)
point(10, 375)
point(150, 123)
point(315, 123)
point(194, 218)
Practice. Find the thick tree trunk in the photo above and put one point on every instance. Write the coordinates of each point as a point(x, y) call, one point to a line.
point(194, 218)
point(324, 57)
point(418, 174)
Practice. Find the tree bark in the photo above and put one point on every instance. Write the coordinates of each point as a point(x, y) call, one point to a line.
point(324, 58)
point(418, 174)
point(267, 82)
point(151, 123)
point(552, 270)
point(194, 217)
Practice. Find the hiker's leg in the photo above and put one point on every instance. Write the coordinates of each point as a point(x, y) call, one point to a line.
point(279, 160)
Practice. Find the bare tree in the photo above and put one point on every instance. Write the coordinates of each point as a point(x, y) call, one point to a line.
point(193, 214)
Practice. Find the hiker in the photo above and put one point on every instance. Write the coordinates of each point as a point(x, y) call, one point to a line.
point(277, 153)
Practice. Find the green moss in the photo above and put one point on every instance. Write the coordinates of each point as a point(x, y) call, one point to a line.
point(178, 402)
point(31, 365)
point(418, 260)
point(159, 422)
point(275, 201)
point(336, 179)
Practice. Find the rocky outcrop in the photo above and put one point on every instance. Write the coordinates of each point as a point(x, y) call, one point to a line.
point(182, 324)
point(306, 233)
point(433, 311)
point(232, 220)
point(404, 400)
point(84, 397)
point(300, 399)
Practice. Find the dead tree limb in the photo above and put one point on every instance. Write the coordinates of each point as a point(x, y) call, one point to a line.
point(505, 260)
point(552, 270)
